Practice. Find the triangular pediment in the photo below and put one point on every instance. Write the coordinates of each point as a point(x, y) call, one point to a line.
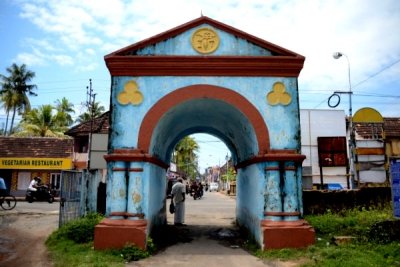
point(173, 52)
point(206, 21)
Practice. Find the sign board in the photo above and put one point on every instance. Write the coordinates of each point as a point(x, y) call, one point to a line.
point(395, 173)
point(36, 163)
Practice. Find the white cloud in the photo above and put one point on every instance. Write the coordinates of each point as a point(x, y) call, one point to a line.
point(30, 59)
point(363, 29)
point(62, 60)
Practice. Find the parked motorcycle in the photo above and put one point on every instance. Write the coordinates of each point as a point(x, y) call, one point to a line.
point(43, 193)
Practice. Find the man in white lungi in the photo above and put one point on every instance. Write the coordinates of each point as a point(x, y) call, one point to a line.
point(178, 196)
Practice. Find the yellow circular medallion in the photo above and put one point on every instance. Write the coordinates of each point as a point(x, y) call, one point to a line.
point(205, 40)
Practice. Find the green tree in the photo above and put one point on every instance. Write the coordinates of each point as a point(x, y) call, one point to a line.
point(64, 109)
point(186, 157)
point(16, 86)
point(41, 122)
point(6, 98)
point(94, 111)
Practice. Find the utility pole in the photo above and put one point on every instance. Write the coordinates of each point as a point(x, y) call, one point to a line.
point(90, 101)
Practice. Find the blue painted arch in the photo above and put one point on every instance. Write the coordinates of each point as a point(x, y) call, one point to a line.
point(202, 108)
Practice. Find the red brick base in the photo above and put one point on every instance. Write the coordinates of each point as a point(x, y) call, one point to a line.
point(286, 234)
point(111, 233)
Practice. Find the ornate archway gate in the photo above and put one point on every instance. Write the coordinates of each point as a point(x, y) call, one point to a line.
point(205, 77)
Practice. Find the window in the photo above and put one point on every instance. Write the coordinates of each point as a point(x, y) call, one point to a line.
point(332, 151)
point(55, 180)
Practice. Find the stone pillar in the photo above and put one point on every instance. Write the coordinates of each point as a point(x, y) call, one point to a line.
point(126, 222)
point(118, 202)
point(135, 191)
point(282, 226)
point(290, 199)
point(272, 192)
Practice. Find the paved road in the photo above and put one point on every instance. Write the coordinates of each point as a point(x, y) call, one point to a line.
point(209, 239)
point(24, 207)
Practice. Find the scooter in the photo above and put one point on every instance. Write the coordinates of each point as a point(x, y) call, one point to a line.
point(43, 193)
point(197, 194)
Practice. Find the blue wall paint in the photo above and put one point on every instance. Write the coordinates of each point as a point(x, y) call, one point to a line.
point(118, 192)
point(250, 198)
point(272, 189)
point(282, 121)
point(181, 45)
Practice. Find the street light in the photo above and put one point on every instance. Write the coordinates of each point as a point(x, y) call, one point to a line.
point(338, 55)
point(227, 176)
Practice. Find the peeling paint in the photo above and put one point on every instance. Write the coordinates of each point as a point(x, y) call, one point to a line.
point(136, 197)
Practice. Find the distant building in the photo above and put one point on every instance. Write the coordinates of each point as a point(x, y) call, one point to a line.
point(22, 159)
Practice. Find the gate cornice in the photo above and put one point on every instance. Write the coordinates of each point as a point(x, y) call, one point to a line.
point(272, 66)
point(274, 155)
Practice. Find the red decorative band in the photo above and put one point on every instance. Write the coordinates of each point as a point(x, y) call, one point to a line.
point(276, 66)
point(125, 169)
point(281, 213)
point(134, 155)
point(119, 169)
point(136, 170)
point(290, 168)
point(275, 168)
point(271, 157)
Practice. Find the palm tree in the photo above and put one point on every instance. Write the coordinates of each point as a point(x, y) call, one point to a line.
point(7, 99)
point(17, 84)
point(64, 109)
point(186, 155)
point(94, 111)
point(41, 122)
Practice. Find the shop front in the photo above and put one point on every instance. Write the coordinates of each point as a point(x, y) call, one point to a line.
point(22, 159)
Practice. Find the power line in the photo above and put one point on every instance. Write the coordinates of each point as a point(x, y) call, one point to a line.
point(377, 73)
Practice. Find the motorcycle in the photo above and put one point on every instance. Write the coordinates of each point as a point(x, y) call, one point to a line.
point(197, 193)
point(43, 193)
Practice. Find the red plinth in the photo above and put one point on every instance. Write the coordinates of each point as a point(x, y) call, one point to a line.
point(111, 233)
point(287, 234)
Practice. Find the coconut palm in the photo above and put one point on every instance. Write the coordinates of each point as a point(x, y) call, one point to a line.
point(17, 84)
point(41, 122)
point(64, 109)
point(94, 111)
point(186, 155)
point(6, 98)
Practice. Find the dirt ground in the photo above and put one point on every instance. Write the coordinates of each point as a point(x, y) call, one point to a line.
point(22, 239)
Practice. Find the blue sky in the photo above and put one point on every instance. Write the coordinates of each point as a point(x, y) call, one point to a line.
point(64, 43)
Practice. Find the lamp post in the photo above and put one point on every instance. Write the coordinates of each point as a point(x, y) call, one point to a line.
point(338, 55)
point(227, 177)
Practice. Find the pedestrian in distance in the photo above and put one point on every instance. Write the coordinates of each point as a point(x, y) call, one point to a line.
point(178, 196)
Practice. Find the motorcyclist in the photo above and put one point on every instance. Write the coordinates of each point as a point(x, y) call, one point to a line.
point(35, 185)
point(38, 191)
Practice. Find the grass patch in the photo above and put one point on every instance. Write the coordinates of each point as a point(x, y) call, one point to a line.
point(362, 251)
point(72, 245)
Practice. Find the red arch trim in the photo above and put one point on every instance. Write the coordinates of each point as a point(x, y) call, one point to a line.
point(203, 91)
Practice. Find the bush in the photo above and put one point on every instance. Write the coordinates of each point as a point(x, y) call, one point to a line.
point(80, 230)
point(131, 253)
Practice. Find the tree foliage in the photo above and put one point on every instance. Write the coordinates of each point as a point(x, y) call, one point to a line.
point(93, 111)
point(15, 88)
point(42, 122)
point(186, 157)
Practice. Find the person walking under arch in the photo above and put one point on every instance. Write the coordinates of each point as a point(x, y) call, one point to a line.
point(178, 196)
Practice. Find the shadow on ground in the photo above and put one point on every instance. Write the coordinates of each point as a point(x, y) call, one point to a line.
point(170, 235)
